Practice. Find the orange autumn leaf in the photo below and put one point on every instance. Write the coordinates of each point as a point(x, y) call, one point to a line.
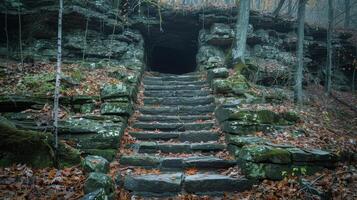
point(191, 171)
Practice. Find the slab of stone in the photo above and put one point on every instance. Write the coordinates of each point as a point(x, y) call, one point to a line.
point(299, 155)
point(172, 162)
point(321, 155)
point(160, 82)
point(94, 163)
point(114, 90)
point(174, 147)
point(173, 87)
point(179, 100)
point(209, 146)
point(173, 126)
point(199, 136)
point(148, 147)
point(114, 108)
point(175, 110)
point(209, 183)
point(140, 160)
point(154, 135)
point(157, 183)
point(241, 141)
point(174, 78)
point(173, 118)
point(264, 153)
point(208, 162)
point(180, 93)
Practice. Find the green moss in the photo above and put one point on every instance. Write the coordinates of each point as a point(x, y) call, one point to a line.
point(263, 153)
point(32, 148)
point(37, 84)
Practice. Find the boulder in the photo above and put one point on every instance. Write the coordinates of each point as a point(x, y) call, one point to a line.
point(115, 90)
point(96, 195)
point(97, 181)
point(209, 57)
point(217, 73)
point(220, 35)
point(95, 164)
point(234, 85)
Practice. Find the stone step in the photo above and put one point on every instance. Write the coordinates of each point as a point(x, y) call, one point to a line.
point(176, 75)
point(166, 163)
point(177, 93)
point(178, 110)
point(174, 78)
point(168, 184)
point(169, 147)
point(191, 101)
point(207, 125)
point(172, 87)
point(174, 83)
point(187, 136)
point(173, 118)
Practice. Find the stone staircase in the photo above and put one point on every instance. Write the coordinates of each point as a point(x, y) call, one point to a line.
point(176, 133)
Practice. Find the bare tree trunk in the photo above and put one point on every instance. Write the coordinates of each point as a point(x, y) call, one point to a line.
point(347, 13)
point(241, 32)
point(7, 38)
point(277, 10)
point(329, 47)
point(20, 36)
point(258, 4)
point(58, 76)
point(300, 53)
point(290, 7)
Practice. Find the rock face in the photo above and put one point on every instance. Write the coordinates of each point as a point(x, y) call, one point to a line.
point(97, 181)
point(95, 164)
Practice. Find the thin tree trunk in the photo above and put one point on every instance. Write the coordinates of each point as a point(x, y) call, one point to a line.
point(290, 7)
point(300, 53)
point(241, 32)
point(58, 76)
point(258, 4)
point(20, 36)
point(277, 10)
point(329, 47)
point(85, 40)
point(7, 38)
point(347, 13)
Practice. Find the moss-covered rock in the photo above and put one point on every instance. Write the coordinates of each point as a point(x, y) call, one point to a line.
point(115, 108)
point(263, 153)
point(95, 164)
point(33, 148)
point(87, 108)
point(108, 154)
point(236, 85)
point(115, 90)
point(221, 72)
point(241, 141)
point(97, 181)
point(276, 171)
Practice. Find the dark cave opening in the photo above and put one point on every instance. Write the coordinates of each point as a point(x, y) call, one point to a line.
point(171, 60)
point(172, 47)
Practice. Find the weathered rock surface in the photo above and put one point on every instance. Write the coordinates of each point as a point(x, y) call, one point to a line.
point(95, 164)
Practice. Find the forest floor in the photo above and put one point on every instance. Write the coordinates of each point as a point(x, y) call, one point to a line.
point(328, 122)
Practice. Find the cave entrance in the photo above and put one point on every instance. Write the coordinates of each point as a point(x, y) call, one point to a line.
point(172, 48)
point(172, 60)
